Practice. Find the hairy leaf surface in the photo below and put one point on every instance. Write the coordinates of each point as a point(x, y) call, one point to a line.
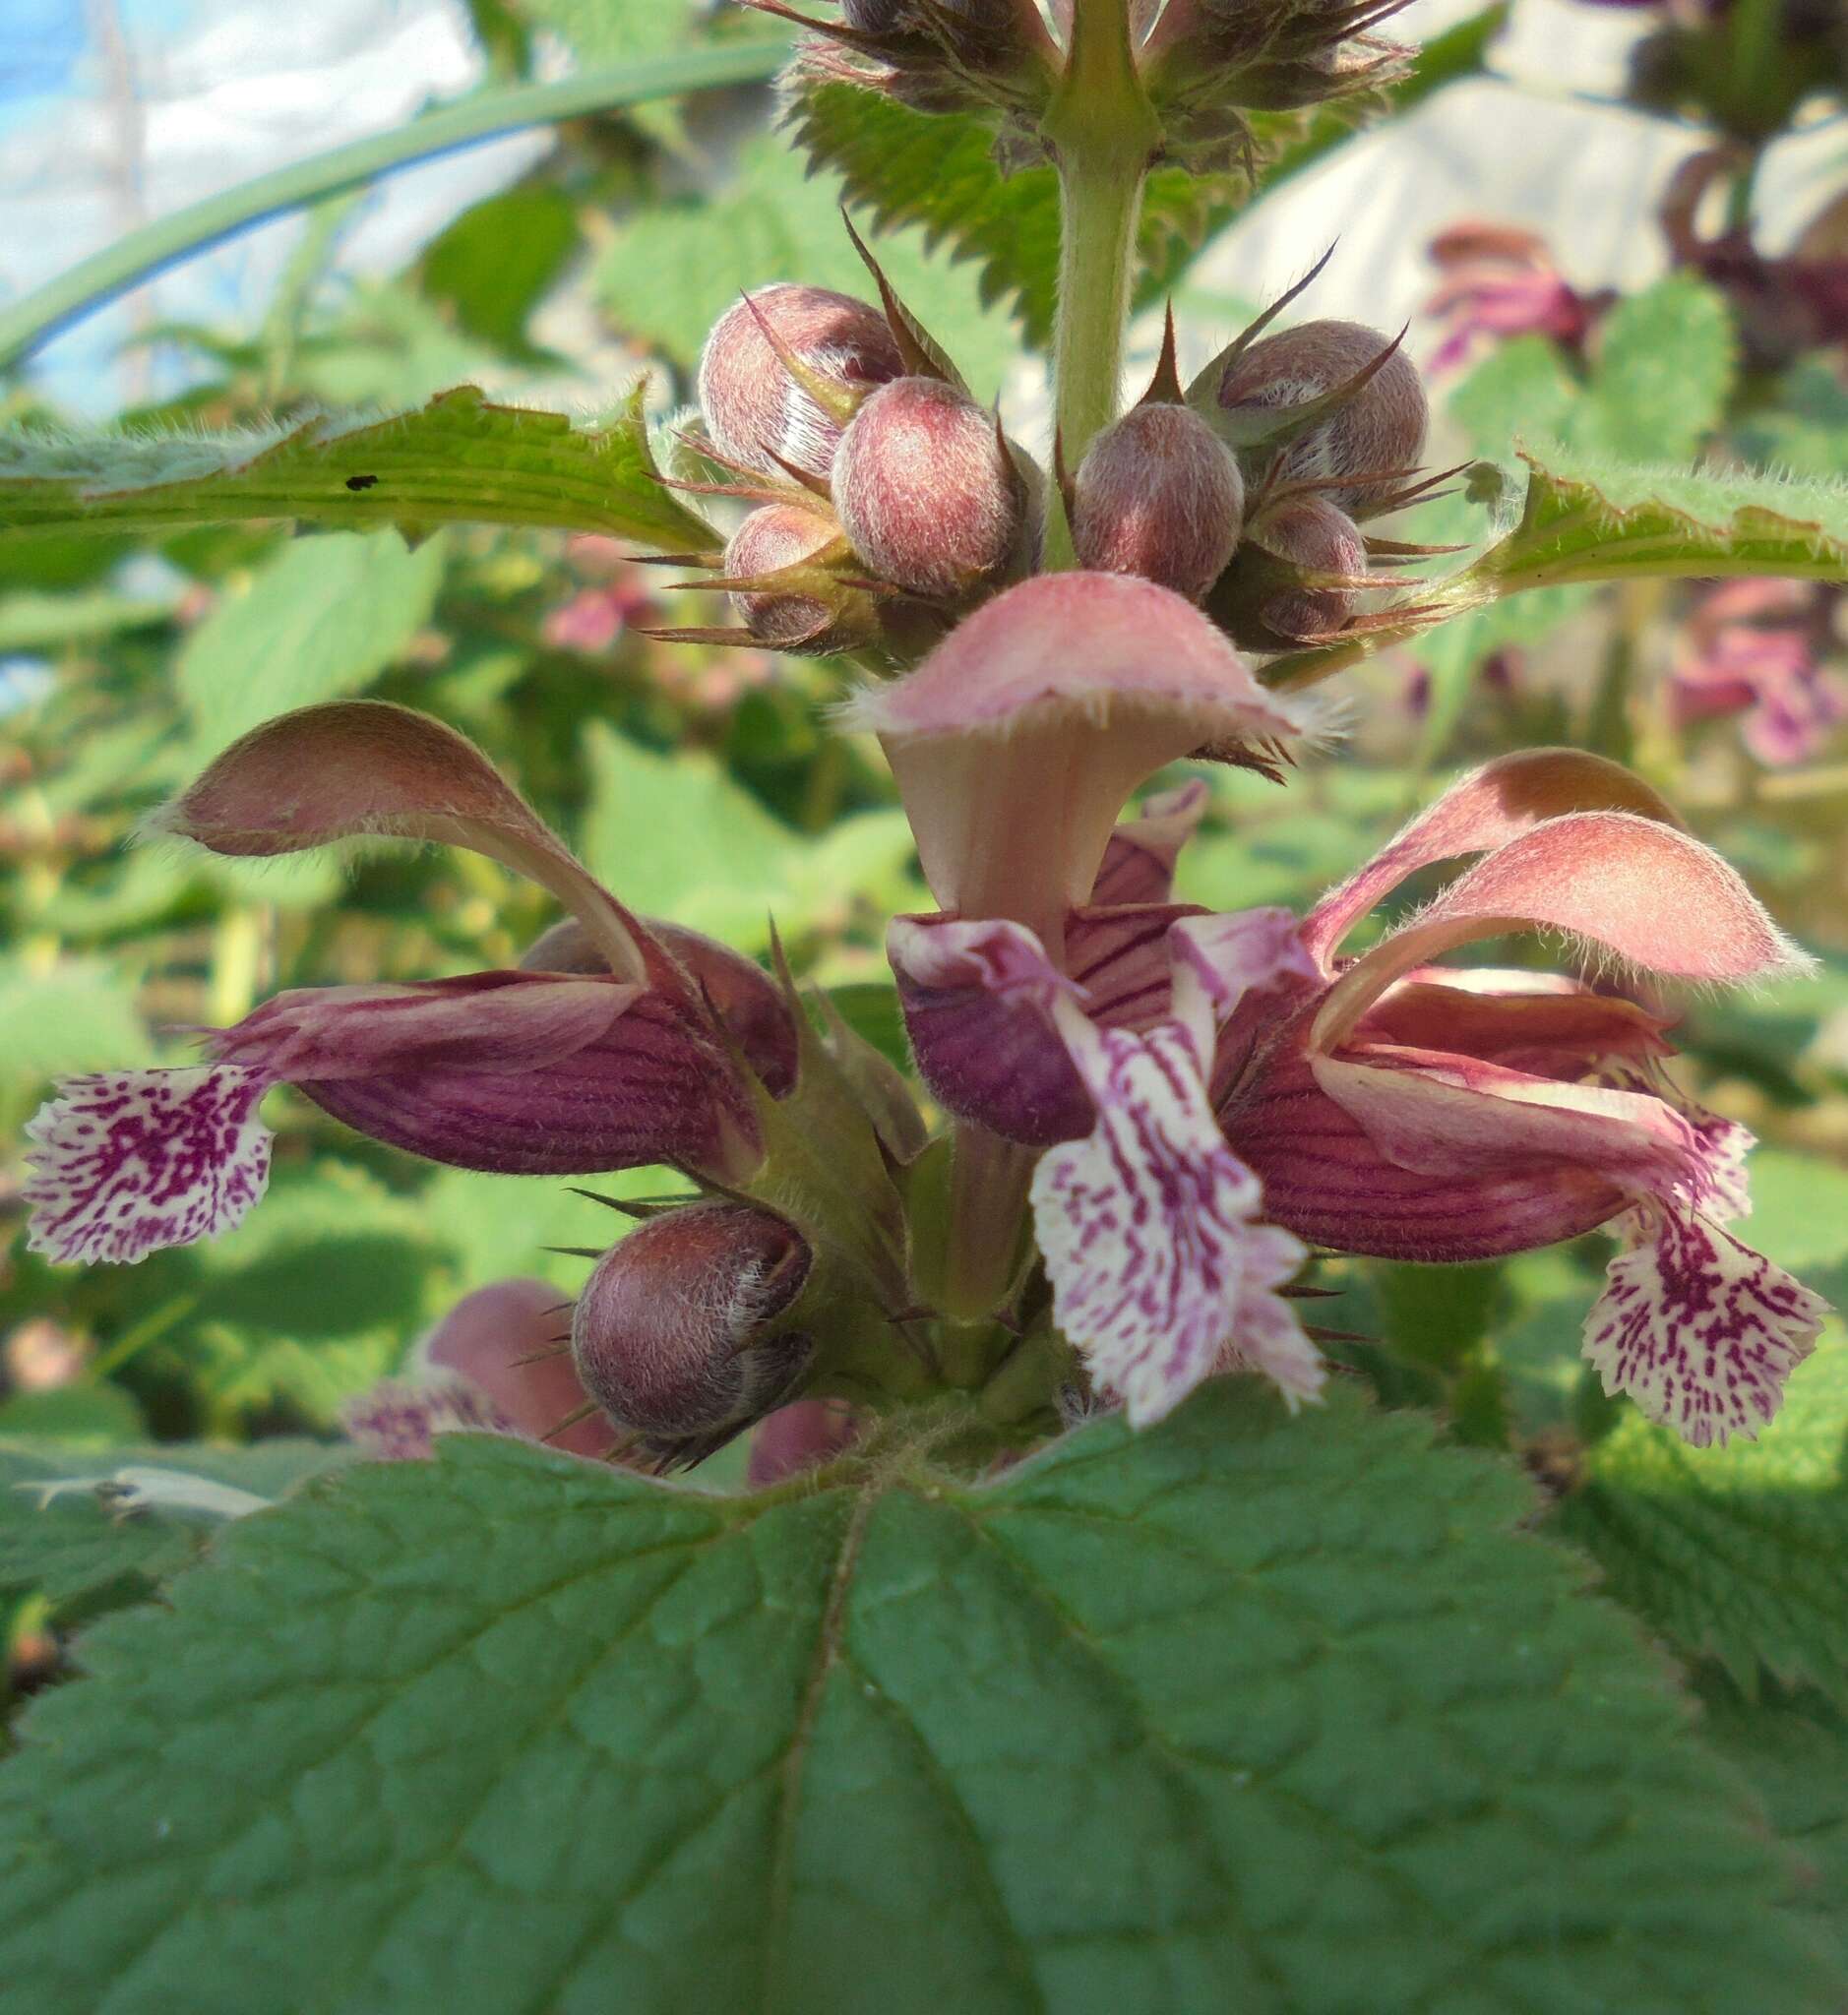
point(460, 459)
point(1178, 1723)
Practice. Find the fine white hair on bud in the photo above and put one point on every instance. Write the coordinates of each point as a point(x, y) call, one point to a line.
point(755, 412)
point(673, 1335)
point(801, 618)
point(927, 490)
point(1378, 432)
point(1158, 494)
point(1310, 533)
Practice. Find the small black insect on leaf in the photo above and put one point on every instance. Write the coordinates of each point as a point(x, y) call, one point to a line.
point(360, 482)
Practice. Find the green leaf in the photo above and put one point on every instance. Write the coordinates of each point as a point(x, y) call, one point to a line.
point(671, 270)
point(77, 1016)
point(1794, 1748)
point(458, 459)
point(1522, 391)
point(1804, 432)
point(1665, 366)
point(1180, 1723)
point(72, 1549)
point(495, 263)
point(320, 620)
point(42, 622)
point(1589, 520)
point(937, 171)
point(675, 836)
point(1742, 1553)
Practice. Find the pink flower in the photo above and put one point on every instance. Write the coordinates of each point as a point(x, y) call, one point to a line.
point(617, 1043)
point(1196, 1074)
point(1500, 282)
point(1058, 998)
point(496, 1362)
point(1750, 647)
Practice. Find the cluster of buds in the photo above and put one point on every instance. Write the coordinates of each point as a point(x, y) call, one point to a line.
point(934, 55)
point(1206, 62)
point(1248, 491)
point(1328, 418)
point(1201, 67)
point(886, 500)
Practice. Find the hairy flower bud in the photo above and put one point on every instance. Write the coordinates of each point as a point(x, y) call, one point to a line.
point(1377, 432)
point(927, 491)
point(1158, 494)
point(668, 1335)
point(1230, 56)
point(951, 55)
point(755, 409)
point(1261, 599)
point(814, 615)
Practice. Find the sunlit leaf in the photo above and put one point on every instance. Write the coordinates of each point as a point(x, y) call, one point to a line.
point(458, 459)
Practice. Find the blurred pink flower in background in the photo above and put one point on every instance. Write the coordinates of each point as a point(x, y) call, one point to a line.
point(1500, 280)
point(1750, 647)
point(593, 618)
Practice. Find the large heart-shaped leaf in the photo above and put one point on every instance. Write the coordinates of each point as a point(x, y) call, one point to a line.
point(1180, 1723)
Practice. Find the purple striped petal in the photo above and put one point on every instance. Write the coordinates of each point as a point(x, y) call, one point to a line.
point(485, 1021)
point(747, 1001)
point(512, 1072)
point(1159, 1273)
point(1331, 1184)
point(1139, 862)
point(1484, 809)
point(974, 996)
point(653, 1088)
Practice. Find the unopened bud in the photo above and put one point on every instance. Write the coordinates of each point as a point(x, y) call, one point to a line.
point(927, 491)
point(673, 1334)
point(1266, 56)
point(755, 409)
point(1311, 535)
point(947, 55)
point(1378, 432)
point(1158, 494)
point(816, 613)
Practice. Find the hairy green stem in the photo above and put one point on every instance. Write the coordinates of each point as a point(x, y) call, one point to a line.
point(1103, 133)
point(142, 254)
point(988, 1178)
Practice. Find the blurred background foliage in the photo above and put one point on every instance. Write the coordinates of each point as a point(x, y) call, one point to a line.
point(707, 786)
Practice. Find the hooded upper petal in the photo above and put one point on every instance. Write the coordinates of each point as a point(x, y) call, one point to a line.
point(572, 1094)
point(1650, 893)
point(1482, 811)
point(361, 768)
point(1017, 741)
